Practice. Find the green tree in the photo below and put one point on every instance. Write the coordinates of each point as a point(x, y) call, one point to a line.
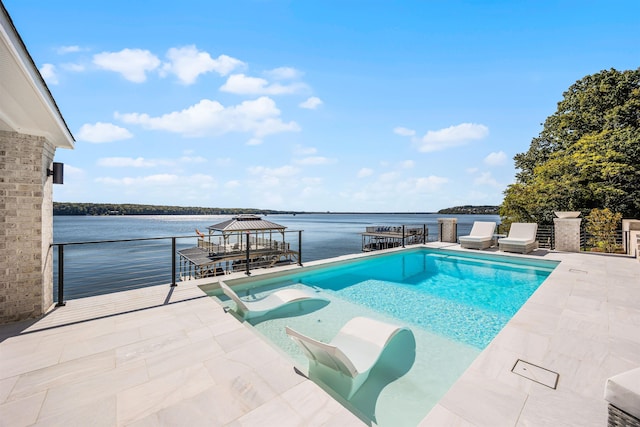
point(587, 154)
point(602, 225)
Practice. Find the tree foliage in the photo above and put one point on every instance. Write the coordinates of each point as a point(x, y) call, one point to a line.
point(63, 208)
point(601, 225)
point(586, 156)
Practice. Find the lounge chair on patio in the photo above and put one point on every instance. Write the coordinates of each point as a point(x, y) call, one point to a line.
point(263, 306)
point(480, 237)
point(521, 238)
point(345, 363)
point(622, 391)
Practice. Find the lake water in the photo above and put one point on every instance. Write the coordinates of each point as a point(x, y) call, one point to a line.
point(103, 268)
point(324, 235)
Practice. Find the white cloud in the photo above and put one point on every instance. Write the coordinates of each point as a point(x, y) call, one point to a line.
point(365, 172)
point(232, 184)
point(223, 161)
point(260, 117)
point(254, 141)
point(304, 151)
point(132, 64)
point(141, 162)
point(430, 183)
point(62, 50)
point(48, 73)
point(315, 160)
point(118, 162)
point(76, 68)
point(404, 131)
point(245, 85)
point(165, 183)
point(187, 63)
point(283, 73)
point(281, 172)
point(472, 170)
point(408, 164)
point(102, 132)
point(486, 178)
point(311, 103)
point(451, 137)
point(192, 159)
point(496, 159)
point(140, 181)
point(388, 176)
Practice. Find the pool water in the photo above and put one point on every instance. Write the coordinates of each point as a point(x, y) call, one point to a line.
point(454, 303)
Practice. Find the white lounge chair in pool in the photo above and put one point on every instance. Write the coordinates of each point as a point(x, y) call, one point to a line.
point(521, 238)
point(480, 237)
point(262, 306)
point(345, 363)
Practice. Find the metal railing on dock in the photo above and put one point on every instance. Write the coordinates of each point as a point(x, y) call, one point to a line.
point(83, 269)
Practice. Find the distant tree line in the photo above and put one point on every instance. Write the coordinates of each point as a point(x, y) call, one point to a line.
point(471, 210)
point(62, 208)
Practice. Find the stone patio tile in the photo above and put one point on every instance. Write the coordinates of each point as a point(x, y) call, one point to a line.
point(241, 382)
point(96, 414)
point(529, 345)
point(6, 385)
point(317, 410)
point(556, 408)
point(149, 347)
point(238, 338)
point(98, 344)
point(276, 412)
point(63, 373)
point(21, 412)
point(30, 361)
point(94, 389)
point(213, 407)
point(279, 374)
point(580, 346)
point(161, 363)
point(484, 402)
point(151, 396)
point(442, 417)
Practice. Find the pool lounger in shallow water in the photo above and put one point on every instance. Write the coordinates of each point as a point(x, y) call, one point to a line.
point(345, 363)
point(274, 301)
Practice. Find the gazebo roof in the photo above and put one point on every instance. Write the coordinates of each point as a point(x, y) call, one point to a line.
point(246, 223)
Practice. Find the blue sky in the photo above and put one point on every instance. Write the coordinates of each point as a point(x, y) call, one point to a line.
point(369, 106)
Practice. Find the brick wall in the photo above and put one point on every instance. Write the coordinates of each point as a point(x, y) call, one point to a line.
point(26, 226)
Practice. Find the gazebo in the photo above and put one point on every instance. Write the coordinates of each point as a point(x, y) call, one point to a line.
point(240, 243)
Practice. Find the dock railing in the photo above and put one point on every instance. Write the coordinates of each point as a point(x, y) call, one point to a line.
point(83, 269)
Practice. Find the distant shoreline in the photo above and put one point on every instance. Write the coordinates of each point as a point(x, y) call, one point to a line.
point(113, 209)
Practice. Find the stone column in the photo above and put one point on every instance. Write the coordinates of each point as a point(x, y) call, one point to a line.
point(26, 226)
point(567, 234)
point(448, 229)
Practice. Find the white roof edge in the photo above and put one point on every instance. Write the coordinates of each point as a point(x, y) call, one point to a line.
point(64, 138)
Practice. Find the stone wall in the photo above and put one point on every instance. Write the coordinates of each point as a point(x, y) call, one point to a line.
point(567, 234)
point(448, 229)
point(26, 226)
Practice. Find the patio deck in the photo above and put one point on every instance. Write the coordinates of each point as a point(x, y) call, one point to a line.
point(171, 356)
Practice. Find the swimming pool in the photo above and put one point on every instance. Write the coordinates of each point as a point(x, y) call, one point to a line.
point(454, 302)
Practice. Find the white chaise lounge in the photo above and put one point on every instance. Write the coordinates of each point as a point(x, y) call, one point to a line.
point(274, 301)
point(521, 238)
point(622, 391)
point(480, 236)
point(345, 363)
